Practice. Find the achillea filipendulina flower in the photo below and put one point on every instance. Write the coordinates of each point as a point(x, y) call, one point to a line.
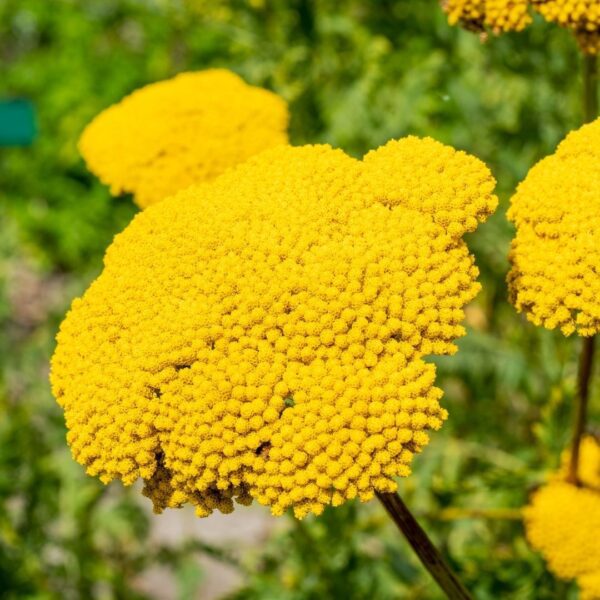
point(581, 16)
point(499, 16)
point(588, 471)
point(589, 586)
point(174, 133)
point(262, 336)
point(469, 14)
point(556, 251)
point(562, 522)
point(507, 15)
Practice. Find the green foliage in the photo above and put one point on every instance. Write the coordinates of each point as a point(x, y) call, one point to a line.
point(356, 74)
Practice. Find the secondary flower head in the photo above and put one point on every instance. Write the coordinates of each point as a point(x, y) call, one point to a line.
point(580, 16)
point(174, 133)
point(499, 16)
point(563, 520)
point(262, 336)
point(556, 250)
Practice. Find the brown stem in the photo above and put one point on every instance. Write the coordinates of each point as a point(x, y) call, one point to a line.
point(428, 554)
point(586, 360)
point(590, 88)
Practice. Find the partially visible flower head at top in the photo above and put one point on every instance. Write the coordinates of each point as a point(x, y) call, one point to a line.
point(563, 520)
point(555, 254)
point(168, 135)
point(580, 16)
point(498, 16)
point(262, 336)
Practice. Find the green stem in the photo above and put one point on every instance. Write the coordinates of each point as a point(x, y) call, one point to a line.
point(590, 87)
point(490, 514)
point(428, 554)
point(586, 360)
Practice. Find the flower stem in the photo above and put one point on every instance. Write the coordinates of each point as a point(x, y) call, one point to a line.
point(586, 359)
point(428, 554)
point(590, 87)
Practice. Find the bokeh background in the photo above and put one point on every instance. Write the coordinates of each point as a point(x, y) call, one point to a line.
point(355, 74)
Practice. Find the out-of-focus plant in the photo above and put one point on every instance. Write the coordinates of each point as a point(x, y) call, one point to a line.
point(189, 129)
point(582, 17)
point(564, 515)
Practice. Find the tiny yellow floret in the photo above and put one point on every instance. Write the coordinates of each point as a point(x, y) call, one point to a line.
point(189, 129)
point(555, 254)
point(563, 520)
point(263, 336)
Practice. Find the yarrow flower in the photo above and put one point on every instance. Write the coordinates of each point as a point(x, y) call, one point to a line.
point(262, 336)
point(174, 133)
point(499, 16)
point(580, 16)
point(556, 250)
point(563, 520)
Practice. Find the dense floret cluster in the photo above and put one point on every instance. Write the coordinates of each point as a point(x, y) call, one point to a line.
point(507, 15)
point(581, 16)
point(556, 250)
point(499, 16)
point(589, 586)
point(189, 129)
point(262, 336)
point(470, 14)
point(563, 520)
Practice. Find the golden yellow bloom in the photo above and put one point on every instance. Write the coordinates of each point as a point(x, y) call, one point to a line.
point(262, 336)
point(588, 471)
point(563, 520)
point(469, 14)
point(189, 129)
point(497, 15)
point(556, 250)
point(507, 15)
point(589, 586)
point(581, 16)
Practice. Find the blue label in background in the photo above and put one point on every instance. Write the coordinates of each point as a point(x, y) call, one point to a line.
point(17, 123)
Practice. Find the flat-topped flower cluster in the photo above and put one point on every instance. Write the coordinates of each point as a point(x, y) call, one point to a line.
point(189, 129)
point(582, 17)
point(563, 520)
point(556, 251)
point(263, 336)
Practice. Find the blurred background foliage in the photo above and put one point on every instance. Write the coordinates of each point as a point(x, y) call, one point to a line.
point(355, 74)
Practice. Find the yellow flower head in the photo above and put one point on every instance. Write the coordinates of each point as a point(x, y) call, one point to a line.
point(581, 16)
point(262, 336)
point(189, 129)
point(507, 15)
point(469, 14)
point(556, 250)
point(563, 520)
point(589, 586)
point(497, 15)
point(588, 469)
